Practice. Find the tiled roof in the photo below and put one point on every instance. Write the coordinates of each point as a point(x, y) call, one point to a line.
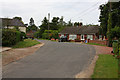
point(80, 30)
point(12, 22)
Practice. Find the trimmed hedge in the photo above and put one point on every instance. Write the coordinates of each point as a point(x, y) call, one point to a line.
point(11, 37)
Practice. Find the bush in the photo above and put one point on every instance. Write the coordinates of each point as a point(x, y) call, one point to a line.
point(52, 34)
point(10, 37)
point(23, 35)
point(45, 36)
point(115, 47)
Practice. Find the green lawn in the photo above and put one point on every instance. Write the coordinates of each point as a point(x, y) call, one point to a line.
point(26, 43)
point(106, 67)
point(96, 44)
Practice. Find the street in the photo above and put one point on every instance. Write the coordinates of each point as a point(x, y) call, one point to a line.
point(53, 60)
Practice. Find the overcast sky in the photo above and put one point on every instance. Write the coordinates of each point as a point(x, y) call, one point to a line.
point(86, 11)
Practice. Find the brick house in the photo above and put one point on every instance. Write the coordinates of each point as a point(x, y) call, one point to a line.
point(81, 33)
point(12, 23)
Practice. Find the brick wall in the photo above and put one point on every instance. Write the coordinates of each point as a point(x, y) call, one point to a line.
point(98, 42)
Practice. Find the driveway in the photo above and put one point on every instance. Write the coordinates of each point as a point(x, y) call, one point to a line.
point(53, 60)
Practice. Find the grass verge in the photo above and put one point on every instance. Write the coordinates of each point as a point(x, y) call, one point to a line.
point(26, 43)
point(96, 44)
point(106, 67)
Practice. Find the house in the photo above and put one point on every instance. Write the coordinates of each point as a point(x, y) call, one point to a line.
point(81, 33)
point(13, 23)
point(30, 34)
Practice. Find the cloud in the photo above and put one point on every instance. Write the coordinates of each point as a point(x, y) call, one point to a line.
point(38, 9)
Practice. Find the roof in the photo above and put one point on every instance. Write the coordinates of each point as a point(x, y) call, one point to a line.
point(80, 30)
point(12, 22)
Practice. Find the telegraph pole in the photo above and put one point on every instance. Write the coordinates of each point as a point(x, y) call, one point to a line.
point(48, 24)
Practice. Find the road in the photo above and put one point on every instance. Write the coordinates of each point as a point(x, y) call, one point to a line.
point(53, 60)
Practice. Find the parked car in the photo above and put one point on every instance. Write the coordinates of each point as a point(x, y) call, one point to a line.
point(63, 39)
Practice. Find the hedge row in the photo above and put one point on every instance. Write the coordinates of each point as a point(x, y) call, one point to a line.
point(11, 37)
point(116, 48)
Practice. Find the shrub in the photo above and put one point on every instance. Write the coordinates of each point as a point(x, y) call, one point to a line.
point(23, 35)
point(11, 37)
point(52, 34)
point(45, 36)
point(115, 47)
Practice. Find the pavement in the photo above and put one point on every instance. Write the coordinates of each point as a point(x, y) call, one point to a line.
point(4, 49)
point(53, 60)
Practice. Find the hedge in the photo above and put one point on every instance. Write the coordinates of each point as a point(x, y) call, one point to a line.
point(116, 48)
point(11, 37)
point(50, 34)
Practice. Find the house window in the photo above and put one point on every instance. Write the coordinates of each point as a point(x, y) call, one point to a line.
point(90, 37)
point(82, 37)
point(62, 35)
point(72, 37)
point(100, 36)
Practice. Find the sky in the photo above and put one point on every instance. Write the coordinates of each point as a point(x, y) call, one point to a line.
point(85, 11)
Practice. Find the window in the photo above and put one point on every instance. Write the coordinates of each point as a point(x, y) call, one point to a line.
point(100, 36)
point(72, 37)
point(90, 37)
point(62, 35)
point(82, 37)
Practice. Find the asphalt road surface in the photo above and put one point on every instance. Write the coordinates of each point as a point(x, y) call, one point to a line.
point(53, 60)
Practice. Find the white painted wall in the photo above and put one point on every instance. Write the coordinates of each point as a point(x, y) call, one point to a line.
point(23, 29)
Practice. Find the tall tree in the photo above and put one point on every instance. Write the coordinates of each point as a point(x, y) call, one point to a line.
point(70, 24)
point(31, 22)
point(32, 26)
point(104, 15)
point(54, 23)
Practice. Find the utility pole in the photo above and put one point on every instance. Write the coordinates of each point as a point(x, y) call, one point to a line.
point(48, 24)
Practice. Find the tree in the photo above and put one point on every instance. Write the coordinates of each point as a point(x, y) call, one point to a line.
point(76, 24)
point(69, 24)
point(104, 15)
point(109, 27)
point(54, 25)
point(19, 18)
point(32, 26)
point(31, 22)
point(43, 27)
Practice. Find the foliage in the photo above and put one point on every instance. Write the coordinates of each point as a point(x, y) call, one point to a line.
point(70, 24)
point(37, 34)
point(56, 24)
point(106, 67)
point(31, 22)
point(19, 18)
point(26, 43)
point(32, 26)
point(10, 37)
point(115, 47)
point(105, 18)
point(50, 34)
point(115, 32)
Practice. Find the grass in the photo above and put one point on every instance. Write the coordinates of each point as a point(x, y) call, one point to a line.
point(26, 43)
point(42, 39)
point(96, 44)
point(106, 67)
